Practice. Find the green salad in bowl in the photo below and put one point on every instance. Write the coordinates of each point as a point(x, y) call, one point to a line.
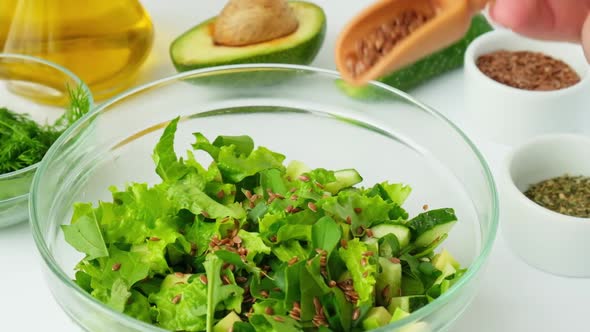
point(247, 243)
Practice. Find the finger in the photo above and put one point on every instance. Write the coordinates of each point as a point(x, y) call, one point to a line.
point(586, 38)
point(528, 17)
point(512, 14)
point(543, 19)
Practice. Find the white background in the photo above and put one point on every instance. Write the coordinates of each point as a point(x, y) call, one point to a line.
point(512, 297)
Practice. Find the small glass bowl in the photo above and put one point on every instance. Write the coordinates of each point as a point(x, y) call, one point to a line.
point(44, 98)
point(296, 110)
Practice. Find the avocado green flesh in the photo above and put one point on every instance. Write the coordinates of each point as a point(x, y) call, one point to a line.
point(195, 48)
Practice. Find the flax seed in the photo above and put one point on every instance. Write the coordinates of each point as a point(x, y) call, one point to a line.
point(379, 41)
point(269, 311)
point(344, 243)
point(363, 261)
point(116, 267)
point(304, 178)
point(176, 299)
point(312, 207)
point(203, 279)
point(248, 194)
point(293, 260)
point(356, 314)
point(385, 292)
point(225, 280)
point(527, 70)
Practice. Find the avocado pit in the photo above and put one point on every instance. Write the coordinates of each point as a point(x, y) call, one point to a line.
point(247, 22)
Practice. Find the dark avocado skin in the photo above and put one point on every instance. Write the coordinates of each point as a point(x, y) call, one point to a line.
point(303, 53)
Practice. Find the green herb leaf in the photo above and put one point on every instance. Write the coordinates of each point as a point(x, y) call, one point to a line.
point(326, 234)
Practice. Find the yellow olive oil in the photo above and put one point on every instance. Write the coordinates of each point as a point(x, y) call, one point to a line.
point(102, 42)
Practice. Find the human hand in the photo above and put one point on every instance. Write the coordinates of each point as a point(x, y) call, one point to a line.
point(561, 20)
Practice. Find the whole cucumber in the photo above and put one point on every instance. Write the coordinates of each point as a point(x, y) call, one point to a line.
point(429, 67)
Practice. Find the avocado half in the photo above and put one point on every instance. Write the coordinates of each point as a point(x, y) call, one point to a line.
point(195, 48)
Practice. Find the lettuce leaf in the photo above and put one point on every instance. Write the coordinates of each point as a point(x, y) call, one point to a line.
point(168, 167)
point(361, 210)
point(180, 305)
point(363, 275)
point(234, 164)
point(84, 233)
point(217, 292)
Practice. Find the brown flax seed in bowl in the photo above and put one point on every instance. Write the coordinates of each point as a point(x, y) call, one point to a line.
point(527, 70)
point(382, 39)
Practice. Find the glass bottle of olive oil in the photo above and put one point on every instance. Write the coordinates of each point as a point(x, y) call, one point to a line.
point(104, 42)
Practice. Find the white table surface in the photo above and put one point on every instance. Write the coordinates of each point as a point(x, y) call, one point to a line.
point(513, 296)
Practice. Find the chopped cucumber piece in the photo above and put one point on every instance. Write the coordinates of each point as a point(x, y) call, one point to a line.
point(399, 314)
point(344, 178)
point(407, 303)
point(447, 270)
point(296, 168)
point(429, 251)
point(227, 323)
point(372, 244)
point(402, 232)
point(430, 226)
point(443, 259)
point(434, 234)
point(376, 318)
point(390, 278)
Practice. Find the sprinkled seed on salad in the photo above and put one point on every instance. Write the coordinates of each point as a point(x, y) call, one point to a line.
point(203, 279)
point(176, 299)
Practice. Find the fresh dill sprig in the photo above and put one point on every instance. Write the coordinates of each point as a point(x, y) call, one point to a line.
point(24, 142)
point(78, 107)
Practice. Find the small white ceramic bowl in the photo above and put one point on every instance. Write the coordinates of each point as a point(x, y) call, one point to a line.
point(548, 240)
point(511, 116)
